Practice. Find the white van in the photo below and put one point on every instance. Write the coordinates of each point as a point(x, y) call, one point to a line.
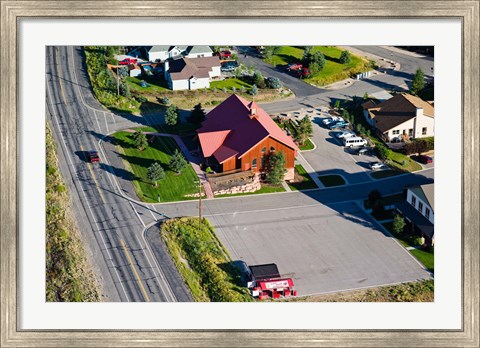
point(354, 141)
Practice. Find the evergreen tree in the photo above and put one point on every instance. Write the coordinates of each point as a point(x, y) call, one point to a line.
point(418, 82)
point(345, 57)
point(155, 172)
point(307, 56)
point(177, 162)
point(276, 168)
point(171, 116)
point(198, 114)
point(304, 130)
point(254, 90)
point(319, 58)
point(140, 140)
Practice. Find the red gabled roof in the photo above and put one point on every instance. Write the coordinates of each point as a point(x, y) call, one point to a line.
point(246, 130)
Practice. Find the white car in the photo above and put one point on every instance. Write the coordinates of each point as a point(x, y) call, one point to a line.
point(345, 134)
point(327, 121)
point(377, 165)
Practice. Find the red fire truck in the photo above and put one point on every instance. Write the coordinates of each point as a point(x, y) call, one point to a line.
point(266, 282)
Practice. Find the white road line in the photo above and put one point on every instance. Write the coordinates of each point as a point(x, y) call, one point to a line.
point(83, 192)
point(96, 119)
point(152, 213)
point(169, 290)
point(106, 124)
point(138, 215)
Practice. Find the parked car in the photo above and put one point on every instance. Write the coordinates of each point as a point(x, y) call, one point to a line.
point(336, 125)
point(92, 157)
point(423, 159)
point(225, 54)
point(303, 73)
point(345, 134)
point(294, 67)
point(363, 151)
point(127, 61)
point(378, 165)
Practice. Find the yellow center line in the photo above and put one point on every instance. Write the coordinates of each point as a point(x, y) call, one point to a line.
point(134, 270)
point(94, 177)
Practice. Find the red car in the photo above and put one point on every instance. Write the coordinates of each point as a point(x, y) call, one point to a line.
point(423, 159)
point(92, 157)
point(225, 54)
point(303, 73)
point(127, 61)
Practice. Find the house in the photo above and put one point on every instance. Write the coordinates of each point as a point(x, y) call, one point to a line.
point(134, 70)
point(418, 210)
point(400, 117)
point(161, 53)
point(239, 135)
point(191, 73)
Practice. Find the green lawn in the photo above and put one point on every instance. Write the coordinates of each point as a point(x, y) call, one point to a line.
point(266, 188)
point(426, 257)
point(181, 128)
point(308, 146)
point(155, 85)
point(229, 83)
point(333, 70)
point(173, 187)
point(307, 182)
point(331, 180)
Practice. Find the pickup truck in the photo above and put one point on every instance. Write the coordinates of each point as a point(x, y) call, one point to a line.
point(294, 67)
point(127, 61)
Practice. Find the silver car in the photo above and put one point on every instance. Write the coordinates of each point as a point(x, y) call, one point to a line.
point(345, 134)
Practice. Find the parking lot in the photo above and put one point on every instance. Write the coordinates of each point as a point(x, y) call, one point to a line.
point(330, 156)
point(323, 248)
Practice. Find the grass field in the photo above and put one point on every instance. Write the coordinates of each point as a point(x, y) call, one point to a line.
point(307, 182)
point(173, 187)
point(333, 70)
point(331, 180)
point(229, 83)
point(308, 146)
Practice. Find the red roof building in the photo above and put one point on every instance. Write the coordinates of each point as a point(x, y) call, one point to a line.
point(238, 134)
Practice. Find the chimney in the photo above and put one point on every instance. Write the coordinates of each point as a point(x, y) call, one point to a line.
point(253, 113)
point(419, 112)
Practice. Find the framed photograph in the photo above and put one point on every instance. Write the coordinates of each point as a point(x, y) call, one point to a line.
point(239, 173)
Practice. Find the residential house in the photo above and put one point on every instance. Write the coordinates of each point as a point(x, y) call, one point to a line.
point(401, 117)
point(134, 70)
point(192, 73)
point(239, 135)
point(161, 53)
point(418, 210)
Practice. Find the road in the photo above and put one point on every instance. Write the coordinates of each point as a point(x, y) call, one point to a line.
point(114, 226)
point(111, 224)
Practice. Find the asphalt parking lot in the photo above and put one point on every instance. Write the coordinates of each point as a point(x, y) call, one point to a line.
point(331, 157)
point(323, 248)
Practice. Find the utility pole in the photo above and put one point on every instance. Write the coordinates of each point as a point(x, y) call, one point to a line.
point(199, 205)
point(118, 82)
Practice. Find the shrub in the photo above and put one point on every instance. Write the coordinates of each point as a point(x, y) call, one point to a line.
point(273, 82)
point(345, 57)
point(242, 89)
point(382, 151)
point(253, 90)
point(171, 116)
point(140, 98)
point(165, 100)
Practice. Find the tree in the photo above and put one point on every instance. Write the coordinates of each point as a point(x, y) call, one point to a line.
point(177, 162)
point(307, 56)
point(416, 146)
point(337, 104)
point(398, 224)
point(345, 57)
point(418, 82)
point(314, 69)
point(242, 89)
point(273, 82)
point(257, 77)
point(319, 58)
point(383, 152)
point(171, 116)
point(365, 96)
point(276, 168)
point(140, 140)
point(304, 130)
point(346, 115)
point(198, 114)
point(269, 51)
point(155, 172)
point(253, 90)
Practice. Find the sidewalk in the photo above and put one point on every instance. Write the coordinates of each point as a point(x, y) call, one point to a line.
point(200, 174)
point(301, 160)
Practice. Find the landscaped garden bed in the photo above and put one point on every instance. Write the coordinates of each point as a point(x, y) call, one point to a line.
point(302, 180)
point(331, 180)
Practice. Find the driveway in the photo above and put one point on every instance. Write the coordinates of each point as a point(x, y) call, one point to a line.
point(324, 248)
point(299, 88)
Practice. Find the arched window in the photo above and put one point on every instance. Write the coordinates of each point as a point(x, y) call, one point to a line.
point(272, 149)
point(254, 163)
point(264, 149)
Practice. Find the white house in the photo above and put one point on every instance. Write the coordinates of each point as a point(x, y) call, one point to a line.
point(134, 70)
point(161, 53)
point(192, 73)
point(418, 210)
point(400, 117)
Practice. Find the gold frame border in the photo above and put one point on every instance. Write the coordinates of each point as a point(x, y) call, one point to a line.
point(467, 11)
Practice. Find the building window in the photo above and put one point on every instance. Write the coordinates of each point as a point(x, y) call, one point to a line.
point(424, 131)
point(396, 132)
point(420, 207)
point(264, 149)
point(263, 162)
point(272, 149)
point(414, 201)
point(427, 213)
point(254, 163)
point(410, 132)
point(404, 132)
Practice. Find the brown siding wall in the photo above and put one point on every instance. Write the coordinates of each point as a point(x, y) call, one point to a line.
point(229, 164)
point(256, 152)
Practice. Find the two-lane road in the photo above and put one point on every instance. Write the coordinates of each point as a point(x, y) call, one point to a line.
point(112, 224)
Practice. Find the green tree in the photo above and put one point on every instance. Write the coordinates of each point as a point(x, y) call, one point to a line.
point(345, 57)
point(346, 115)
point(337, 104)
point(398, 224)
point(198, 114)
point(304, 130)
point(273, 82)
point(177, 162)
point(140, 140)
point(155, 172)
point(276, 168)
point(257, 77)
point(365, 96)
point(418, 82)
point(319, 58)
point(269, 51)
point(253, 90)
point(314, 69)
point(383, 152)
point(307, 55)
point(171, 116)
